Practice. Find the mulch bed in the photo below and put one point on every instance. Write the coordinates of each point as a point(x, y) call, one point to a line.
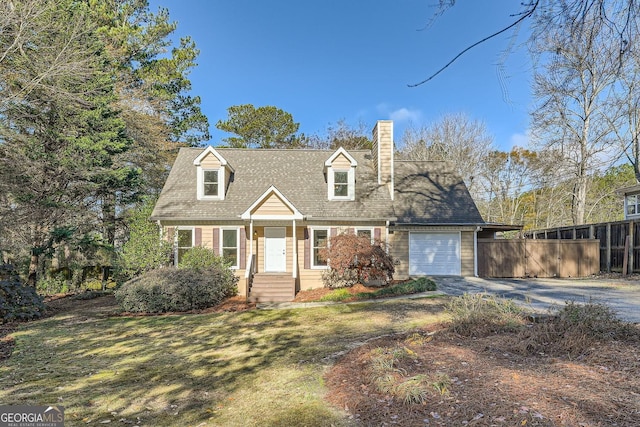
point(493, 386)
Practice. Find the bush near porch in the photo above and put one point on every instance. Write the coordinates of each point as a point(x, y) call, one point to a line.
point(354, 259)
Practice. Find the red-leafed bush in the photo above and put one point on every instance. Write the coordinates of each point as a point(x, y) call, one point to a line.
point(354, 259)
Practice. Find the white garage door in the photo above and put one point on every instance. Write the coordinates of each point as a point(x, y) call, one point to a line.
point(435, 254)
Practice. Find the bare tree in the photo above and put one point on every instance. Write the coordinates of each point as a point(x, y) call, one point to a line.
point(573, 88)
point(341, 134)
point(576, 17)
point(454, 138)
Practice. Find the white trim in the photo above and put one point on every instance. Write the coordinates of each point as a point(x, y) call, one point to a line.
point(221, 183)
point(211, 150)
point(369, 229)
point(294, 244)
point(175, 241)
point(351, 184)
point(221, 240)
point(312, 232)
point(271, 190)
point(344, 152)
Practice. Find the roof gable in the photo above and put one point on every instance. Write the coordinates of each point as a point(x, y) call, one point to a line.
point(341, 152)
point(272, 204)
point(210, 151)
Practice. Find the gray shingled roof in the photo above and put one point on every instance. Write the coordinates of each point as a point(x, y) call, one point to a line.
point(423, 194)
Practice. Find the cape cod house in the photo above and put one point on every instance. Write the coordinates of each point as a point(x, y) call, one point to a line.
point(269, 211)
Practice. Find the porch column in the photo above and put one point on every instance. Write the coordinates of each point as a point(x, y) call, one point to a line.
point(251, 239)
point(295, 251)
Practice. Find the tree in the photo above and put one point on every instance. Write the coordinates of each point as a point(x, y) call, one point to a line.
point(343, 135)
point(576, 17)
point(455, 138)
point(262, 127)
point(573, 92)
point(143, 251)
point(91, 111)
point(509, 177)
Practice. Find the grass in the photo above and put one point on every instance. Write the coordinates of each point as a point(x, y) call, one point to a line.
point(483, 314)
point(233, 369)
point(412, 287)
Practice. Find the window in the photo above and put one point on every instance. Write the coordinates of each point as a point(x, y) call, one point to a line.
point(319, 239)
point(230, 247)
point(365, 232)
point(633, 205)
point(184, 242)
point(341, 184)
point(210, 183)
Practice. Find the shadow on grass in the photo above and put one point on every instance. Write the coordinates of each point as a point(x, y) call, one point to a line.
point(193, 369)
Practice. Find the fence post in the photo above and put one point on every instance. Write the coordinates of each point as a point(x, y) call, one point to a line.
point(608, 232)
point(632, 239)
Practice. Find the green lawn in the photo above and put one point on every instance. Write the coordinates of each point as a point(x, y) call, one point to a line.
point(254, 368)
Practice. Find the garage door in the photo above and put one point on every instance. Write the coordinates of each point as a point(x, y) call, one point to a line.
point(436, 254)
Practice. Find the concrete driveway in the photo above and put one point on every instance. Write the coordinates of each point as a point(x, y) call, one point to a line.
point(541, 294)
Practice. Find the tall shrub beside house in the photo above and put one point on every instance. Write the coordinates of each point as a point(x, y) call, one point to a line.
point(144, 251)
point(355, 259)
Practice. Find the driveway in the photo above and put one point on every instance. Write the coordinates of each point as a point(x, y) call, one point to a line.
point(541, 294)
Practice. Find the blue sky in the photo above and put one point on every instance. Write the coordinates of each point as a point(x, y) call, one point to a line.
point(323, 61)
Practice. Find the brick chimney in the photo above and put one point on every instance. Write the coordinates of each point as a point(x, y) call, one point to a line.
point(382, 152)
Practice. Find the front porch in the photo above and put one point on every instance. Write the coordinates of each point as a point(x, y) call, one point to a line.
point(272, 287)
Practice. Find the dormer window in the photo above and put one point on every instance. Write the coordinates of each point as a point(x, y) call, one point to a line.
point(213, 173)
point(340, 184)
point(341, 175)
point(210, 183)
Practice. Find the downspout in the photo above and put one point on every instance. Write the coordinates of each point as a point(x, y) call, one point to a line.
point(475, 250)
point(386, 237)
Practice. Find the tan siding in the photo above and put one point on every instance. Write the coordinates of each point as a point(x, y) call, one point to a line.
point(210, 162)
point(272, 205)
point(466, 254)
point(341, 162)
point(207, 237)
point(399, 250)
point(307, 278)
point(383, 149)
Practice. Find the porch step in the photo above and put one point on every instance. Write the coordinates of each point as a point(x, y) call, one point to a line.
point(271, 287)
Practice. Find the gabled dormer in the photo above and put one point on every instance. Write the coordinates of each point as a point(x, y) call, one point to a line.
point(213, 175)
point(340, 170)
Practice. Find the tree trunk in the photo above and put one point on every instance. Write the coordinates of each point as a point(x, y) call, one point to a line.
point(33, 269)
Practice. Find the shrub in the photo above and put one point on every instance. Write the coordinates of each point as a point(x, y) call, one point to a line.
point(181, 289)
point(337, 295)
point(354, 259)
point(52, 285)
point(334, 279)
point(17, 301)
point(418, 285)
point(144, 251)
point(575, 330)
point(480, 315)
point(200, 258)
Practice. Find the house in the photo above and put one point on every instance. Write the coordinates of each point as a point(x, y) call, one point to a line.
point(269, 211)
point(631, 201)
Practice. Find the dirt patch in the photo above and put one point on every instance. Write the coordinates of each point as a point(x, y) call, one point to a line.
point(488, 384)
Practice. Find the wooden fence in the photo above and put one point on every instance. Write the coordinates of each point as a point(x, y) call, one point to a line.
point(538, 258)
point(616, 239)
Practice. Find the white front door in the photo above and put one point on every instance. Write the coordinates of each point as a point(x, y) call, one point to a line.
point(275, 249)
